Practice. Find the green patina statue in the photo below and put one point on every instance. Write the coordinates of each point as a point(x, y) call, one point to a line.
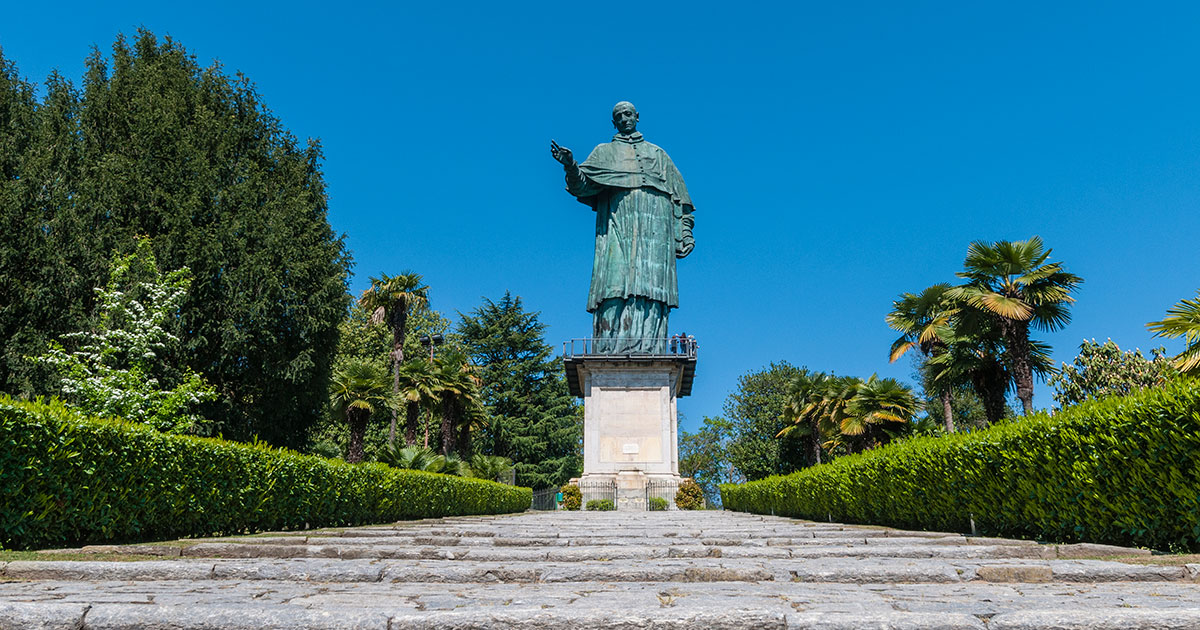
point(643, 223)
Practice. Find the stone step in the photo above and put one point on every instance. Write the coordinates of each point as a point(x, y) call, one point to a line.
point(600, 570)
point(590, 552)
point(671, 569)
point(583, 615)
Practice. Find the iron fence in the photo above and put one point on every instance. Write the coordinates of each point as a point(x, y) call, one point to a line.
point(596, 490)
point(508, 477)
point(679, 346)
point(545, 499)
point(660, 494)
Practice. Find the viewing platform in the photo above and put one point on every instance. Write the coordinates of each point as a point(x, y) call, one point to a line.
point(678, 350)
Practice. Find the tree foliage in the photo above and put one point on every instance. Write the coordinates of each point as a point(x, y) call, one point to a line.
point(121, 367)
point(704, 456)
point(924, 322)
point(1103, 369)
point(154, 145)
point(845, 414)
point(1183, 320)
point(358, 391)
point(965, 403)
point(755, 411)
point(1016, 285)
point(531, 417)
point(391, 300)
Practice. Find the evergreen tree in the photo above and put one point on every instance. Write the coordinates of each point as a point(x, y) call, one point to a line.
point(49, 263)
point(532, 418)
point(156, 146)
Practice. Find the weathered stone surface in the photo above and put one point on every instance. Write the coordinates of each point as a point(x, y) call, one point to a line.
point(1015, 573)
point(299, 570)
point(895, 621)
point(41, 616)
point(586, 618)
point(143, 617)
point(874, 571)
point(92, 570)
point(602, 570)
point(1091, 550)
point(1093, 619)
point(1101, 571)
point(986, 540)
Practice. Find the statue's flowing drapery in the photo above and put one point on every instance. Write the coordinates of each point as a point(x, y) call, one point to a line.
point(641, 204)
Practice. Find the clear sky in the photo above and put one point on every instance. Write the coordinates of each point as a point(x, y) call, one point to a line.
point(839, 153)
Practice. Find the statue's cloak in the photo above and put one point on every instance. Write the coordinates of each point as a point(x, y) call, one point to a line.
point(640, 201)
point(630, 162)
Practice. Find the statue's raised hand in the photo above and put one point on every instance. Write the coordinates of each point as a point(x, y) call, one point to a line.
point(562, 154)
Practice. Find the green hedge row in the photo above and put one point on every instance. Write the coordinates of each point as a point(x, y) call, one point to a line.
point(70, 479)
point(1121, 470)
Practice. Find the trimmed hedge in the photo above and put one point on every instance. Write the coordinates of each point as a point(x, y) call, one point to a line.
point(1121, 470)
point(66, 478)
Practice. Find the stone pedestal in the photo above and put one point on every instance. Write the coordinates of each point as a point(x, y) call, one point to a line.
point(630, 425)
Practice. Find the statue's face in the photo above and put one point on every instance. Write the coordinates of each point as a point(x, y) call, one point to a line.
point(625, 119)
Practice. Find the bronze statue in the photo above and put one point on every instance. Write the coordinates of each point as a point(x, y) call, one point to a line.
point(643, 223)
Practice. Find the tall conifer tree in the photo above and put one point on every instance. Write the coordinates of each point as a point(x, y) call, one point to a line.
point(157, 146)
point(532, 418)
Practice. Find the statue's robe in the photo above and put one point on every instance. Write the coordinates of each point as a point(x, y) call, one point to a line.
point(640, 202)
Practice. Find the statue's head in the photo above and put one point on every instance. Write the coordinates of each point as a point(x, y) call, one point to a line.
point(625, 117)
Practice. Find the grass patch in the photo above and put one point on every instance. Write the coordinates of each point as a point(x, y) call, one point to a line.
point(12, 556)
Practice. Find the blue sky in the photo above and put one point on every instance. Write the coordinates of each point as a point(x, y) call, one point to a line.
point(838, 153)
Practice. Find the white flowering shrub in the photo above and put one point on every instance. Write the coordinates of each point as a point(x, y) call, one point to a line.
point(1103, 369)
point(117, 366)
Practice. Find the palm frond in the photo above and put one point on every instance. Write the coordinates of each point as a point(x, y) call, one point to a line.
point(1006, 307)
point(1182, 320)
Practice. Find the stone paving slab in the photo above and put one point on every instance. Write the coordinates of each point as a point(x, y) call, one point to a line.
point(601, 570)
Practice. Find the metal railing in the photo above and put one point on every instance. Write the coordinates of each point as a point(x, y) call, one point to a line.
point(663, 491)
point(545, 499)
point(598, 491)
point(508, 477)
point(678, 346)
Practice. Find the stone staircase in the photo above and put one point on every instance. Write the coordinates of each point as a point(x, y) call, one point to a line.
point(610, 570)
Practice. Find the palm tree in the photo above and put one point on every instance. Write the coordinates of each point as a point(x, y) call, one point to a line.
point(877, 404)
point(1016, 285)
point(1183, 320)
point(459, 392)
point(817, 404)
point(473, 418)
point(977, 359)
point(356, 392)
point(414, 457)
point(976, 354)
point(799, 410)
point(490, 467)
point(924, 321)
point(420, 387)
point(390, 299)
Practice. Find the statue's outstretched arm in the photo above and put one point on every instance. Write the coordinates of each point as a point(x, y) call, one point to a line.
point(578, 184)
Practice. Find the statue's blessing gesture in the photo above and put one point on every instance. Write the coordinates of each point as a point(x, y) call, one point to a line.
point(643, 223)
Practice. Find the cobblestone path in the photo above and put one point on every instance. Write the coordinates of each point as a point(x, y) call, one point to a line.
point(611, 570)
